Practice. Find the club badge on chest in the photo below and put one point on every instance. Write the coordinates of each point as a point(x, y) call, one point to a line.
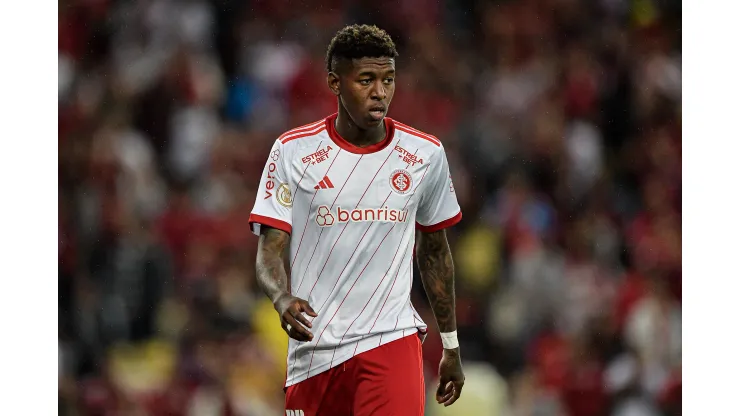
point(401, 181)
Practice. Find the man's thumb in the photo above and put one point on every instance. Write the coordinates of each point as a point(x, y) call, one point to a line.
point(441, 388)
point(308, 309)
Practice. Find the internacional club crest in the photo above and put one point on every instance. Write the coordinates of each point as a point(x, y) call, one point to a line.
point(401, 181)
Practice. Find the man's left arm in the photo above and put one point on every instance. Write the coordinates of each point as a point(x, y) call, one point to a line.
point(438, 210)
point(438, 277)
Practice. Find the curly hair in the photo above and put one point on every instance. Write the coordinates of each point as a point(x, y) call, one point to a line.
point(360, 41)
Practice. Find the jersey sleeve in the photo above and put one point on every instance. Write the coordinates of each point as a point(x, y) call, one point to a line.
point(438, 208)
point(274, 202)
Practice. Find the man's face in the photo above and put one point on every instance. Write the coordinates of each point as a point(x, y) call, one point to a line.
point(366, 88)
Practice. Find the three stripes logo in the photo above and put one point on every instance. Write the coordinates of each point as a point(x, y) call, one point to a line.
point(294, 413)
point(324, 184)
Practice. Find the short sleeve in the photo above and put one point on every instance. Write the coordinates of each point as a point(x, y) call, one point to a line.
point(274, 202)
point(438, 208)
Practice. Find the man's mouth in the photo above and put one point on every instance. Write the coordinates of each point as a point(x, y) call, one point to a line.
point(377, 112)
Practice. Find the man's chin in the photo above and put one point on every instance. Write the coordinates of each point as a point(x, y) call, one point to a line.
point(373, 121)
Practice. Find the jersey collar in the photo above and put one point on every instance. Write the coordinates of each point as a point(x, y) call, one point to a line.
point(336, 138)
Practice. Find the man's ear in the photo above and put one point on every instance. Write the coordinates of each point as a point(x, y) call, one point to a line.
point(332, 80)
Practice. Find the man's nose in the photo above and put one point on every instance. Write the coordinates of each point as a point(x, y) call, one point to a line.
point(379, 91)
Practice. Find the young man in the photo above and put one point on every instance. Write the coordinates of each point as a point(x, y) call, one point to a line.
point(349, 193)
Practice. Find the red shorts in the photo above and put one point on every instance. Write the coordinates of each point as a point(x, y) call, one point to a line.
point(387, 381)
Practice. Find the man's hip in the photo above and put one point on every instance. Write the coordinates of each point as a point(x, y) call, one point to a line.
point(386, 380)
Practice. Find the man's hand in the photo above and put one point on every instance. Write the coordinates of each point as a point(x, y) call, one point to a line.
point(451, 377)
point(291, 309)
point(273, 280)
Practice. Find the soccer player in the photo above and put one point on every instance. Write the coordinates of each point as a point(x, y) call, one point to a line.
point(353, 194)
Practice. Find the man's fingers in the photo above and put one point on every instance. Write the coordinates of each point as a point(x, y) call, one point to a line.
point(302, 319)
point(456, 394)
point(298, 336)
point(444, 391)
point(449, 391)
point(297, 328)
point(440, 391)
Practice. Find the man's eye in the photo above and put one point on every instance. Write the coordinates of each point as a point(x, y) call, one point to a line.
point(388, 80)
point(365, 81)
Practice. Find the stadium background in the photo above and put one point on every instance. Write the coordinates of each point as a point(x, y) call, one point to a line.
point(562, 123)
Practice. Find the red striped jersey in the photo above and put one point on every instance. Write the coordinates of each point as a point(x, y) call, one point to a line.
point(352, 214)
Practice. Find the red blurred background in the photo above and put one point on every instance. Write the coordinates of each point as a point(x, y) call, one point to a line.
point(562, 123)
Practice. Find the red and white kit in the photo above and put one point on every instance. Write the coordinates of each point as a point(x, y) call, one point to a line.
point(352, 214)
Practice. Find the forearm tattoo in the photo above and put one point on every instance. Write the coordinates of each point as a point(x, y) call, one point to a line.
point(271, 276)
point(438, 276)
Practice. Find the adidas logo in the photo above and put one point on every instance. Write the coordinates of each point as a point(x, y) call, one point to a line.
point(324, 184)
point(294, 413)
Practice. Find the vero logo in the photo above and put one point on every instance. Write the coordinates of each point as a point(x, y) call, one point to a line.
point(294, 413)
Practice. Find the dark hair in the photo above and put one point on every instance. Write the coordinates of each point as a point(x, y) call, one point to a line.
point(360, 41)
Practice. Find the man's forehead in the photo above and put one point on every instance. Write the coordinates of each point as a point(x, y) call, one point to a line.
point(373, 63)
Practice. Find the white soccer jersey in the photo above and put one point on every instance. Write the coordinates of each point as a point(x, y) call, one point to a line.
point(352, 214)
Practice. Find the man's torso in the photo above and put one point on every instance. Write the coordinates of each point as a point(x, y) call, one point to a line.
point(353, 217)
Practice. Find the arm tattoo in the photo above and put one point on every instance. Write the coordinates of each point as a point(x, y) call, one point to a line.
point(271, 276)
point(438, 276)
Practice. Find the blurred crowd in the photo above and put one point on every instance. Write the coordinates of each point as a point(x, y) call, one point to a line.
point(562, 123)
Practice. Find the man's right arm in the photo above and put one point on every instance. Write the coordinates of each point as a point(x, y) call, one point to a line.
point(271, 275)
point(273, 280)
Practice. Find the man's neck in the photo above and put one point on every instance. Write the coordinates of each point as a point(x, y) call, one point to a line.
point(353, 134)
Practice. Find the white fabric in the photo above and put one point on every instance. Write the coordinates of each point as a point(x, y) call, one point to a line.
point(353, 267)
point(449, 340)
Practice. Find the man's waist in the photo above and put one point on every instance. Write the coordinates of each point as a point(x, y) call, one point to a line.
point(334, 340)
